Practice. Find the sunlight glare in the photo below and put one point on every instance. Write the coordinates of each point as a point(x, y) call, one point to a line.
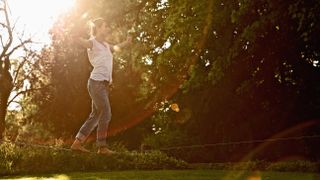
point(56, 177)
point(36, 17)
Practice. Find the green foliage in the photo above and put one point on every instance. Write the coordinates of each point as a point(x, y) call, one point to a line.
point(281, 166)
point(250, 73)
point(34, 133)
point(9, 157)
point(247, 70)
point(16, 160)
point(294, 166)
point(27, 160)
point(21, 127)
point(234, 166)
point(166, 128)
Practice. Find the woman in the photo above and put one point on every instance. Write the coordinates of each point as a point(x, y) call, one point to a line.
point(100, 57)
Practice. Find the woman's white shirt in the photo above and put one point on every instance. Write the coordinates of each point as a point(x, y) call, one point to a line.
point(101, 58)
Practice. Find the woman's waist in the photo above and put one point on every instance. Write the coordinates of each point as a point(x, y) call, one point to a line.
point(101, 69)
point(99, 81)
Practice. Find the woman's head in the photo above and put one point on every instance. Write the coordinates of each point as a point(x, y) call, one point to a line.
point(99, 25)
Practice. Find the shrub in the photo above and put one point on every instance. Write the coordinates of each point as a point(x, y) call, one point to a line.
point(17, 160)
point(296, 166)
point(234, 166)
point(301, 166)
point(9, 156)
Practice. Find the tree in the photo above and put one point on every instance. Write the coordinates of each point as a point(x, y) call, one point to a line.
point(6, 83)
point(256, 70)
point(13, 73)
point(69, 103)
point(244, 65)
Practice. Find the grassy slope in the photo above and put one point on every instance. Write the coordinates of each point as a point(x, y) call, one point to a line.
point(174, 174)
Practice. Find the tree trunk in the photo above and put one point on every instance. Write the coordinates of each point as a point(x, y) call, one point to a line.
point(6, 86)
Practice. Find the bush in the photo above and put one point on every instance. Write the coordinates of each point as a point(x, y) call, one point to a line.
point(300, 166)
point(284, 166)
point(233, 166)
point(8, 158)
point(17, 160)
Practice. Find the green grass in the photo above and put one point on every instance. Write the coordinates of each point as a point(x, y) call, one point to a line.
point(175, 175)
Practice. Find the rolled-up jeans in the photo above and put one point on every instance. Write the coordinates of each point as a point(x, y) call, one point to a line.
point(100, 115)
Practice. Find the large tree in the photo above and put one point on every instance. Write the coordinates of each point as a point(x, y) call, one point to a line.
point(240, 70)
point(253, 73)
point(8, 48)
point(69, 104)
point(19, 66)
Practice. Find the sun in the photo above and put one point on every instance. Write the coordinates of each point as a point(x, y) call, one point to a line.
point(36, 17)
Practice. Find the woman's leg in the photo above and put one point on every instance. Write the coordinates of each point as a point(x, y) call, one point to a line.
point(104, 119)
point(100, 115)
point(85, 130)
point(92, 120)
point(88, 125)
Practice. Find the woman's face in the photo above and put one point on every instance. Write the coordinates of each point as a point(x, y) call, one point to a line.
point(104, 29)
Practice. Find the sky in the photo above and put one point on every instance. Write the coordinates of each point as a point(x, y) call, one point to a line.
point(34, 18)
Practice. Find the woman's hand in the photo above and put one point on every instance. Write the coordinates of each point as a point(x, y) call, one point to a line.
point(129, 40)
point(125, 43)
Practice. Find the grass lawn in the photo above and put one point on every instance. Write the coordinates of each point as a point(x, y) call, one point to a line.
point(175, 174)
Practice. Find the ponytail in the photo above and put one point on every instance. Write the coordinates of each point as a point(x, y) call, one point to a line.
point(94, 24)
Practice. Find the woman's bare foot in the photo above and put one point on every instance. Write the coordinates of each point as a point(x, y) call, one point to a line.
point(76, 146)
point(105, 150)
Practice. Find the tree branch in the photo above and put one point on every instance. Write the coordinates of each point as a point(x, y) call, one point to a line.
point(25, 59)
point(1, 41)
point(22, 44)
point(8, 27)
point(14, 24)
point(26, 91)
point(3, 25)
point(18, 70)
